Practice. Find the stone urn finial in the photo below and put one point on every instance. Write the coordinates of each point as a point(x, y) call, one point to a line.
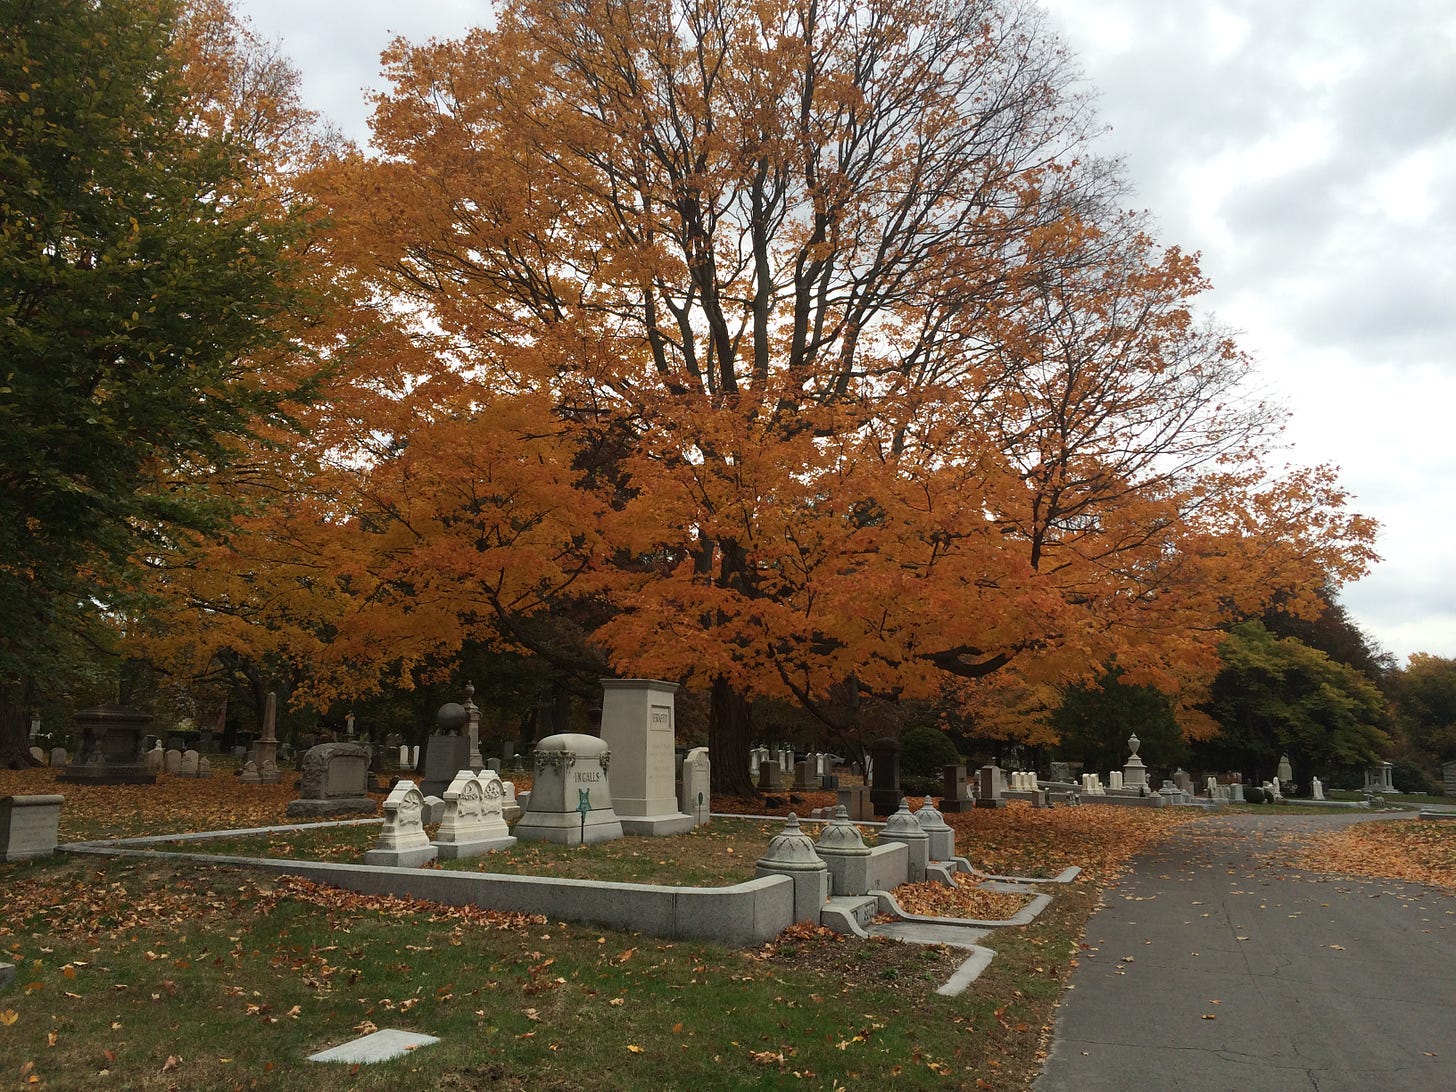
point(1133, 743)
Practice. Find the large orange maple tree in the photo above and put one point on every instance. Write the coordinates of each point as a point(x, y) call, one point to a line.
point(772, 347)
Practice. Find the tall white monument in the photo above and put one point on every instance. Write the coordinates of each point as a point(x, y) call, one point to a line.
point(639, 726)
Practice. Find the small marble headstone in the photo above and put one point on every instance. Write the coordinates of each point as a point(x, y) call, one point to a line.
point(403, 842)
point(187, 767)
point(172, 761)
point(474, 819)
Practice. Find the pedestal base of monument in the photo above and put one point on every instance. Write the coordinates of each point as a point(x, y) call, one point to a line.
point(401, 858)
point(567, 829)
point(454, 851)
point(656, 826)
point(986, 803)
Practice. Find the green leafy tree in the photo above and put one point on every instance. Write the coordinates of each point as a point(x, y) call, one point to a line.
point(1426, 695)
point(1277, 695)
point(1094, 723)
point(145, 279)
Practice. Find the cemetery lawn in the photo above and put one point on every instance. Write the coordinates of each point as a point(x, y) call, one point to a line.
point(149, 973)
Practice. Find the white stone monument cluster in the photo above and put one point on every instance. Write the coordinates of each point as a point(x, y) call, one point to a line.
point(587, 789)
point(473, 822)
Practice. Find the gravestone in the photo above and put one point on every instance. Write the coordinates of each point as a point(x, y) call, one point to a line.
point(38, 755)
point(110, 751)
point(1317, 789)
point(171, 761)
point(956, 795)
point(989, 787)
point(249, 773)
point(403, 842)
point(1285, 771)
point(447, 751)
point(801, 777)
point(1448, 778)
point(28, 826)
point(855, 800)
point(885, 780)
point(267, 744)
point(571, 800)
point(695, 792)
point(1378, 779)
point(335, 781)
point(1060, 771)
point(1134, 772)
point(639, 729)
point(154, 759)
point(770, 776)
point(475, 759)
point(187, 764)
point(474, 820)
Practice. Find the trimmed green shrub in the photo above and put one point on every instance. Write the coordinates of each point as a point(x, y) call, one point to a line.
point(926, 752)
point(1253, 794)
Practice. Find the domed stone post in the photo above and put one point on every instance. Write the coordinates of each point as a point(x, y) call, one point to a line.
point(902, 827)
point(940, 838)
point(844, 853)
point(791, 853)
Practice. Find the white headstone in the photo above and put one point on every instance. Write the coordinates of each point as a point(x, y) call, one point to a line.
point(403, 841)
point(697, 785)
point(474, 820)
point(172, 761)
point(1317, 789)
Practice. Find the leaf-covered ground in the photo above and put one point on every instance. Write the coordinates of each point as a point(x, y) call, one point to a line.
point(1416, 850)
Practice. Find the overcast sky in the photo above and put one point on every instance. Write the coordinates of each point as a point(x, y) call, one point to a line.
point(1307, 150)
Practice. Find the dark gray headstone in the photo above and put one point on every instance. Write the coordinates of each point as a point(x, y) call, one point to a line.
point(335, 781)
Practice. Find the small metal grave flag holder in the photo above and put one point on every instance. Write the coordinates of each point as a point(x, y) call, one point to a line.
point(583, 805)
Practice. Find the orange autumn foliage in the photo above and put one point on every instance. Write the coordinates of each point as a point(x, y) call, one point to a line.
point(765, 347)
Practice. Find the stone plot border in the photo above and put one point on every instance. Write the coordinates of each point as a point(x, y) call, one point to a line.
point(739, 916)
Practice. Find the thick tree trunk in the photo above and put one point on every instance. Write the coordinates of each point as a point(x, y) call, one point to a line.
point(14, 726)
point(728, 741)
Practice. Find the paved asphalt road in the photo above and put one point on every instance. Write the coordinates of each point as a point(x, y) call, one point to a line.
point(1214, 966)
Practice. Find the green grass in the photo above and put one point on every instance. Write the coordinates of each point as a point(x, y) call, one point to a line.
point(125, 964)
